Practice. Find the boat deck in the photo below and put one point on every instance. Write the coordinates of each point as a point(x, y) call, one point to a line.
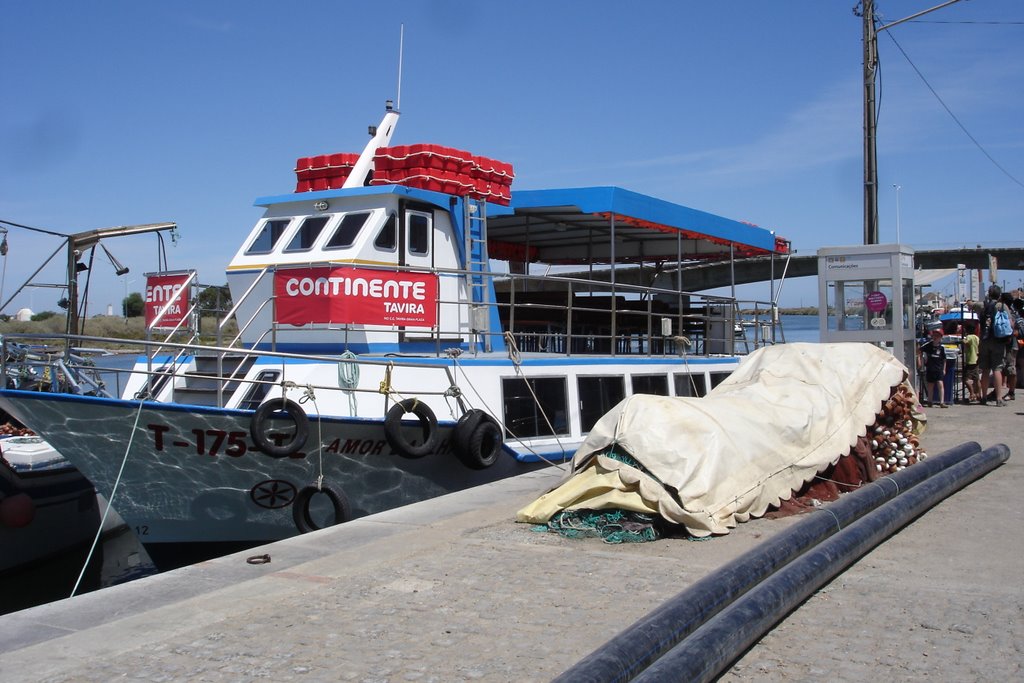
point(452, 589)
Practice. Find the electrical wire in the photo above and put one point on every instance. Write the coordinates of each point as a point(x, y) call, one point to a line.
point(936, 21)
point(950, 112)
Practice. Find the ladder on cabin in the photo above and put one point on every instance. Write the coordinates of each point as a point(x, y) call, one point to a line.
point(474, 220)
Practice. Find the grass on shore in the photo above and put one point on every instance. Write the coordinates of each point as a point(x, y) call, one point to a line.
point(106, 326)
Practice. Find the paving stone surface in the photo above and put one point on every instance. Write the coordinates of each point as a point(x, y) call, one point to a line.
point(453, 590)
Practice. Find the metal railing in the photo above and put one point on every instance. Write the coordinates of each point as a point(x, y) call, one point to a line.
point(570, 315)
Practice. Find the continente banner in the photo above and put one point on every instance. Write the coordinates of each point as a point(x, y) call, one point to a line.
point(354, 295)
point(167, 291)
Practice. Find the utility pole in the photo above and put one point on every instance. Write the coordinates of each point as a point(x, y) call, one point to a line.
point(870, 159)
point(867, 12)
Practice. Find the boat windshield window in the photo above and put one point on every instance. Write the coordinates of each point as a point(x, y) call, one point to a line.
point(307, 233)
point(419, 234)
point(690, 385)
point(528, 416)
point(387, 238)
point(650, 384)
point(268, 236)
point(598, 395)
point(345, 234)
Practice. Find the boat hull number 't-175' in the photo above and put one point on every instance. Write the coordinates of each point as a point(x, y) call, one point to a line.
point(235, 444)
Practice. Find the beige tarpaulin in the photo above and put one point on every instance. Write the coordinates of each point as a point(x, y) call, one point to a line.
point(788, 412)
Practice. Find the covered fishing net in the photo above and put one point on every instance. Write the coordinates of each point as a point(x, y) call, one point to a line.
point(785, 417)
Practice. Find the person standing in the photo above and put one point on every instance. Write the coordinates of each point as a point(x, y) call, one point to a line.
point(1010, 361)
point(971, 342)
point(992, 350)
point(933, 358)
point(1018, 309)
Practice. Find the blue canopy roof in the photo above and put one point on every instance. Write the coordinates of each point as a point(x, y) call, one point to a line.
point(562, 221)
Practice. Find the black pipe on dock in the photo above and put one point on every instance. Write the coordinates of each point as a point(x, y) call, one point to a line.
point(722, 639)
point(652, 636)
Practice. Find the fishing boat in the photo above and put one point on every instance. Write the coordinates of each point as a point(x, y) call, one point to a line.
point(402, 325)
point(46, 506)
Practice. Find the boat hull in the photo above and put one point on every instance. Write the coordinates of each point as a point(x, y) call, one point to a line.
point(44, 514)
point(184, 473)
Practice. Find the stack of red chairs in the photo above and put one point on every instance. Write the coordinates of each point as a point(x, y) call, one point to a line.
point(427, 167)
point(444, 169)
point(323, 172)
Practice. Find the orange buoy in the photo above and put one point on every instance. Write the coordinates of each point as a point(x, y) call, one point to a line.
point(17, 511)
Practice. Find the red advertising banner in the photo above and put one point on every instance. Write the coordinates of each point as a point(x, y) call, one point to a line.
point(354, 295)
point(164, 289)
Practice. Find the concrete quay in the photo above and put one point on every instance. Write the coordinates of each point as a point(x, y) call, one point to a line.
point(453, 590)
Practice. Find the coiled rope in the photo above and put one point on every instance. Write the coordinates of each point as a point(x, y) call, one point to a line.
point(348, 379)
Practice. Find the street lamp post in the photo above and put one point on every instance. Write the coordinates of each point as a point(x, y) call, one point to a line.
point(897, 188)
point(124, 301)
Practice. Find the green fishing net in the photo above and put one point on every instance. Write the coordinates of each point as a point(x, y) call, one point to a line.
point(612, 526)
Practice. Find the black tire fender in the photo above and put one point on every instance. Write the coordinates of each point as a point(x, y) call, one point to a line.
point(396, 437)
point(260, 418)
point(477, 439)
point(300, 506)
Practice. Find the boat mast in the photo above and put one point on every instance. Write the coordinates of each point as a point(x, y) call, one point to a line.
point(380, 136)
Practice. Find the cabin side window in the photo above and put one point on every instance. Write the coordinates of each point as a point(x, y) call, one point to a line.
point(690, 385)
point(387, 238)
point(598, 395)
point(268, 236)
point(259, 390)
point(419, 234)
point(307, 234)
point(526, 416)
point(348, 229)
point(656, 385)
point(718, 377)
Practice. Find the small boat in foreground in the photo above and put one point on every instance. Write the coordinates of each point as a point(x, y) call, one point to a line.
point(407, 326)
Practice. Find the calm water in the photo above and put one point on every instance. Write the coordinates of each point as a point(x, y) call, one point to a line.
point(800, 328)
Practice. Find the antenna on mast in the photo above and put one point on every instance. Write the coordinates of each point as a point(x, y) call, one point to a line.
point(401, 41)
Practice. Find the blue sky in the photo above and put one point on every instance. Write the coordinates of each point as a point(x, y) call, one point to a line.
point(117, 113)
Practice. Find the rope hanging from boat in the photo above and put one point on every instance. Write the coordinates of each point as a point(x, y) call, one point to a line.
point(310, 395)
point(110, 501)
point(459, 394)
point(385, 384)
point(348, 379)
point(517, 361)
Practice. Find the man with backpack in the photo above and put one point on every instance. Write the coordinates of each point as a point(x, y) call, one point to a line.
point(996, 335)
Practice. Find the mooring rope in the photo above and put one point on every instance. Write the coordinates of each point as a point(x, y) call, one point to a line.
point(515, 356)
point(110, 501)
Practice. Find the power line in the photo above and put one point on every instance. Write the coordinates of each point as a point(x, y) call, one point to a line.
point(992, 23)
point(950, 112)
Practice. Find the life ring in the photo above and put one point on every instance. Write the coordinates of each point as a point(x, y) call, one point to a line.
point(477, 439)
point(300, 507)
point(396, 436)
point(258, 427)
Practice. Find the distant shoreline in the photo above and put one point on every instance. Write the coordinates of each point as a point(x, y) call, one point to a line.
point(805, 310)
